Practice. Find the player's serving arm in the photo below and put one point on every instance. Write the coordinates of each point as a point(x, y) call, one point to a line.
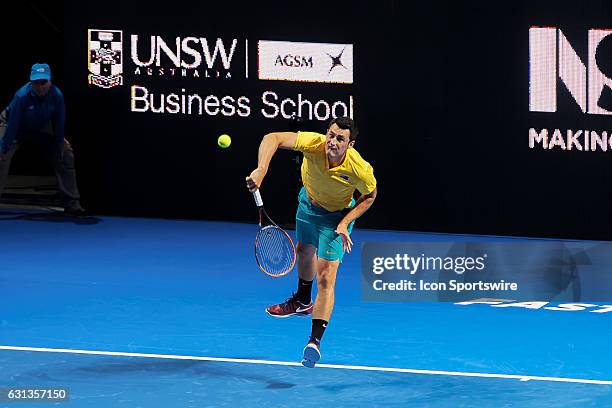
point(331, 172)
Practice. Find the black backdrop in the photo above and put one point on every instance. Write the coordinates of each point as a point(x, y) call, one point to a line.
point(441, 94)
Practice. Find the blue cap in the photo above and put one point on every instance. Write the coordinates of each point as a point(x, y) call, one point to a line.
point(40, 71)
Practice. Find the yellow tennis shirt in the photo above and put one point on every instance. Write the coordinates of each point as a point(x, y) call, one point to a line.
point(332, 189)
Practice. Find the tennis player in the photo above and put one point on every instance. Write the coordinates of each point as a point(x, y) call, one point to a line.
point(331, 172)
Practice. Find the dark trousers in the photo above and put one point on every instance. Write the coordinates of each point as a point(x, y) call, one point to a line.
point(61, 158)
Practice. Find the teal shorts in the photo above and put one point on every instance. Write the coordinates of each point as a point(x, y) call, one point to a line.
point(316, 226)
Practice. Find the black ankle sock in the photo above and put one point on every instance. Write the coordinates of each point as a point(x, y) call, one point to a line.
point(318, 328)
point(304, 291)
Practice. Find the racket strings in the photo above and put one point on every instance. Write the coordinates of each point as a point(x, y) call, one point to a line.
point(274, 251)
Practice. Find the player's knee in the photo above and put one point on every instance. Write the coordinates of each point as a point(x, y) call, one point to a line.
point(326, 279)
point(324, 283)
point(304, 251)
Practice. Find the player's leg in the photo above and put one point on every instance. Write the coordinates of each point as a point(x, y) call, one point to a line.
point(306, 260)
point(307, 269)
point(326, 283)
point(330, 254)
point(300, 303)
point(323, 306)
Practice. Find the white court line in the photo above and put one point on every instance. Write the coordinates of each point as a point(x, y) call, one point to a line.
point(296, 364)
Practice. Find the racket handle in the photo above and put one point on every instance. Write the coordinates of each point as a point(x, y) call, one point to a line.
point(257, 197)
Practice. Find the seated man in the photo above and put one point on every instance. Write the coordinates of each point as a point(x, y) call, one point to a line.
point(36, 115)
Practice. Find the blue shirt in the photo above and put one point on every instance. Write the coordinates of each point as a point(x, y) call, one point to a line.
point(28, 112)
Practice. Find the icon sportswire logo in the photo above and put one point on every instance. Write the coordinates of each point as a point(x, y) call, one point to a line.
point(306, 62)
point(105, 58)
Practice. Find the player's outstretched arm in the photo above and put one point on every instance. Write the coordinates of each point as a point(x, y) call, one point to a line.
point(268, 146)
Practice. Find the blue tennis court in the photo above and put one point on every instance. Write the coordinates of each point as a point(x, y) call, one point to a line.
point(160, 313)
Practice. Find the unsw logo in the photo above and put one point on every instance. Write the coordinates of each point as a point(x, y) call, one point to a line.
point(156, 56)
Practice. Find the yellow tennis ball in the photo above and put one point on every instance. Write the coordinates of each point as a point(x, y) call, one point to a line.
point(224, 141)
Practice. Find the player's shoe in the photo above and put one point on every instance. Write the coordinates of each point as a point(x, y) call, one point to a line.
point(290, 307)
point(312, 353)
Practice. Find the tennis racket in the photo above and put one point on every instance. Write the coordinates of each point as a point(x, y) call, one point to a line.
point(274, 249)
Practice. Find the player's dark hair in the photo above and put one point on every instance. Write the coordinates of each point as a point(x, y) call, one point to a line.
point(344, 122)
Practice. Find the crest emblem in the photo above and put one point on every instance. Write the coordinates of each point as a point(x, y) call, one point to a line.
point(105, 58)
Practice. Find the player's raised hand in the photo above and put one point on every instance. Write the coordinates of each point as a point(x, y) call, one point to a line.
point(253, 181)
